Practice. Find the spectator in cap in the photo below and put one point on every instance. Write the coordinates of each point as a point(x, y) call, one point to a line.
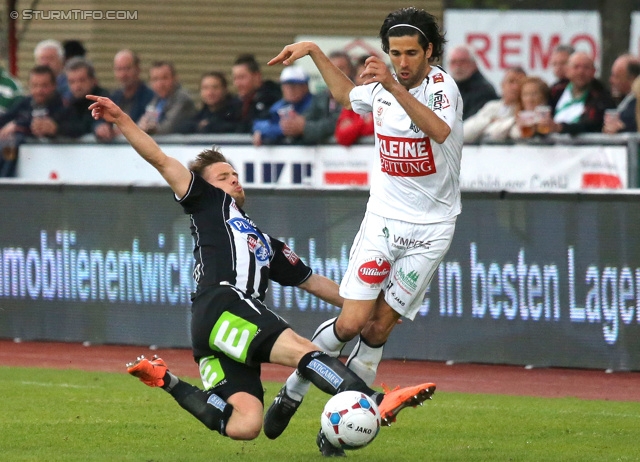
point(318, 123)
point(296, 99)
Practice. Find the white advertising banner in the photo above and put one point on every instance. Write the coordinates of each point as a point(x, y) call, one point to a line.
point(543, 168)
point(502, 39)
point(634, 34)
point(271, 167)
point(484, 168)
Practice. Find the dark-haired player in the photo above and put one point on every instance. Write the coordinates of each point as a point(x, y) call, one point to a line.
point(414, 200)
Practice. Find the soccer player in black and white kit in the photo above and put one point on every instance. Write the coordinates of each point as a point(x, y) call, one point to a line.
point(414, 197)
point(232, 331)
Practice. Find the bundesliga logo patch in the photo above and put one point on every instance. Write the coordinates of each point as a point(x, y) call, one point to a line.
point(438, 78)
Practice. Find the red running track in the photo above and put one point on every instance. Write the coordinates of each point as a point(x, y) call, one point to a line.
point(465, 378)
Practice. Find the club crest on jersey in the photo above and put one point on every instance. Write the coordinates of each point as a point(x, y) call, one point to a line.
point(260, 251)
point(378, 117)
point(373, 272)
point(414, 128)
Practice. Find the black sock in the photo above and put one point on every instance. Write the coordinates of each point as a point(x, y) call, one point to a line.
point(331, 376)
point(208, 408)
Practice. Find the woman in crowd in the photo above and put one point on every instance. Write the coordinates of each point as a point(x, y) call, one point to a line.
point(220, 112)
point(495, 119)
point(534, 116)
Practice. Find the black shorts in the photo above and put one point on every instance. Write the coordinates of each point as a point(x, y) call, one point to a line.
point(231, 336)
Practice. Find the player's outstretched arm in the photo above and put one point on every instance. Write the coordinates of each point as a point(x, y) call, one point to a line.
point(339, 84)
point(323, 288)
point(175, 174)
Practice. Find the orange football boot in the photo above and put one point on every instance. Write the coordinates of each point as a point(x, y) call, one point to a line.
point(150, 372)
point(397, 399)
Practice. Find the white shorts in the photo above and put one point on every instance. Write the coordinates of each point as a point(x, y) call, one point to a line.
point(397, 257)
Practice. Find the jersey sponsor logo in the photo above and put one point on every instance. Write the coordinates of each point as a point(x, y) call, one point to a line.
point(438, 101)
point(216, 402)
point(407, 281)
point(438, 78)
point(374, 271)
point(211, 372)
point(232, 335)
point(326, 373)
point(382, 101)
point(290, 255)
point(256, 241)
point(401, 242)
point(408, 157)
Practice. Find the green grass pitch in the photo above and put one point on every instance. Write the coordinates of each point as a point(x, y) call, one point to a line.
point(54, 415)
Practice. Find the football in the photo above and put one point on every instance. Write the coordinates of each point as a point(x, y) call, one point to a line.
point(350, 420)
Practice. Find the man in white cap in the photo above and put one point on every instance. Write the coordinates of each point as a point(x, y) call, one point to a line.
point(296, 99)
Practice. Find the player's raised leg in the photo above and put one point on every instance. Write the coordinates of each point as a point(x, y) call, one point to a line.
point(208, 408)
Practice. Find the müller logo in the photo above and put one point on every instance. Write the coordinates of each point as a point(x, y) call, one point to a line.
point(406, 156)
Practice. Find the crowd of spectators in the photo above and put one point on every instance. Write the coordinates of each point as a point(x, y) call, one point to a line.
point(575, 102)
point(288, 112)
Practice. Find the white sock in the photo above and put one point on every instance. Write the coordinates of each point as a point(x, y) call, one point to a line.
point(326, 340)
point(297, 386)
point(364, 361)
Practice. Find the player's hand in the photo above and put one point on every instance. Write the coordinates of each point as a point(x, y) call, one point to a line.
point(377, 71)
point(291, 53)
point(104, 108)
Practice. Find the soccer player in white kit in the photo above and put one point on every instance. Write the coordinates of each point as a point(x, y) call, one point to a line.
point(414, 199)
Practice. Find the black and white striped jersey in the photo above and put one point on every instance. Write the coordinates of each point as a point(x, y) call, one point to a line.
point(230, 249)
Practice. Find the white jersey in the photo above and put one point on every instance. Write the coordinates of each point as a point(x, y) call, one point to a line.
point(418, 179)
